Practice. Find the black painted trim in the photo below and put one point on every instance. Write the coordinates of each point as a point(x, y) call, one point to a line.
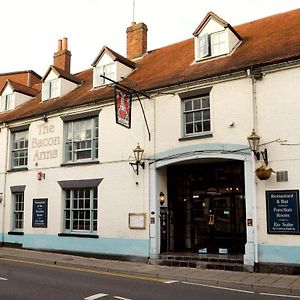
point(15, 233)
point(209, 135)
point(93, 236)
point(195, 93)
point(17, 188)
point(19, 128)
point(82, 183)
point(89, 114)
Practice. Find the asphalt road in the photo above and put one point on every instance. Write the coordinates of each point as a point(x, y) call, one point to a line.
point(22, 281)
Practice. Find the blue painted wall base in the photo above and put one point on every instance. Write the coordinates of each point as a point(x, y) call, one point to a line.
point(115, 246)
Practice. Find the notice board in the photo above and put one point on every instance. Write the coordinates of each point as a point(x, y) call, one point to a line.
point(283, 211)
point(40, 213)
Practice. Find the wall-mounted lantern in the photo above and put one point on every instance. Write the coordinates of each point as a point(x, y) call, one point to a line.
point(253, 141)
point(138, 155)
point(162, 198)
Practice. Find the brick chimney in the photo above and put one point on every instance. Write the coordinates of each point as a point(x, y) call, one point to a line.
point(62, 58)
point(136, 40)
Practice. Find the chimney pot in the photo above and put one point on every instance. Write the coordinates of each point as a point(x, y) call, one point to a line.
point(59, 45)
point(65, 44)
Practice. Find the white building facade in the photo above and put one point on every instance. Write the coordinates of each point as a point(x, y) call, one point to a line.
point(68, 176)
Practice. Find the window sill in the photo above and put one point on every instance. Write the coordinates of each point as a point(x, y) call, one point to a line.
point(80, 235)
point(71, 164)
point(194, 137)
point(15, 233)
point(18, 169)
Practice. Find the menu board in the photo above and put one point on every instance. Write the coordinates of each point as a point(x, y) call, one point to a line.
point(40, 213)
point(283, 211)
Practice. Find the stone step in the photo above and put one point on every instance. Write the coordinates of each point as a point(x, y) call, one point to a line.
point(228, 266)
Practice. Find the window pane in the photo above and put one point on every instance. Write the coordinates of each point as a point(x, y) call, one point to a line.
point(198, 127)
point(206, 115)
point(196, 103)
point(189, 117)
point(188, 105)
point(189, 128)
point(206, 126)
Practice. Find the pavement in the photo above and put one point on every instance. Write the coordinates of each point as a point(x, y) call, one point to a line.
point(255, 282)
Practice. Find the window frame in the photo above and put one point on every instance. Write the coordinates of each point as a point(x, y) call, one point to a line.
point(204, 93)
point(81, 211)
point(208, 49)
point(101, 70)
point(16, 219)
point(51, 89)
point(94, 141)
point(7, 102)
point(14, 150)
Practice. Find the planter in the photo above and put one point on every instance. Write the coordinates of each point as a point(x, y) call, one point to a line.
point(263, 173)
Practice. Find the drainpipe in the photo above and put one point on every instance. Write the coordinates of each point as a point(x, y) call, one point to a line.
point(4, 187)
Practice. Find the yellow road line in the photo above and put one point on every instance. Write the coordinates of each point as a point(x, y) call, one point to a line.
point(108, 273)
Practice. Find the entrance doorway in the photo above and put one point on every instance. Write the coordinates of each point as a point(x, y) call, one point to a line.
point(206, 208)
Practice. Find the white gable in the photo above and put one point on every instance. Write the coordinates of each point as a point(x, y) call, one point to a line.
point(105, 60)
point(51, 76)
point(8, 90)
point(210, 27)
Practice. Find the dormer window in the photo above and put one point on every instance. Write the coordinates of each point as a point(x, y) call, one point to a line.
point(7, 102)
point(57, 83)
point(111, 65)
point(214, 37)
point(51, 89)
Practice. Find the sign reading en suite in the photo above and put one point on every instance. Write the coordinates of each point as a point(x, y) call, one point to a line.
point(283, 211)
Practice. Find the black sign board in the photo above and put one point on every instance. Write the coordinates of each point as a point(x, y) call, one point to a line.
point(283, 211)
point(40, 213)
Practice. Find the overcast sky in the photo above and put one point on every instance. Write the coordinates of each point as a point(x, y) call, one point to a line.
point(31, 28)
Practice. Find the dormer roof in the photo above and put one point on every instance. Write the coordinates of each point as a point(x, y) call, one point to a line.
point(115, 56)
point(216, 18)
point(18, 87)
point(61, 73)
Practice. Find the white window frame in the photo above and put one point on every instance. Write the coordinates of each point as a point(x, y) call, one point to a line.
point(7, 102)
point(51, 89)
point(108, 70)
point(81, 136)
point(218, 43)
point(81, 210)
point(19, 149)
point(211, 45)
point(197, 118)
point(18, 211)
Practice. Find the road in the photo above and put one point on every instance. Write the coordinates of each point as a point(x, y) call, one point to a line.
point(31, 281)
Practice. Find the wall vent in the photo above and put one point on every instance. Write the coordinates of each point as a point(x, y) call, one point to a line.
point(282, 176)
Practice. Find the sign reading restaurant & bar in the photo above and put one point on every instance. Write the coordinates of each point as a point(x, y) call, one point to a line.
point(283, 211)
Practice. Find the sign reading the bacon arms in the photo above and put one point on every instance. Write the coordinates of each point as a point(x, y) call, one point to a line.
point(123, 101)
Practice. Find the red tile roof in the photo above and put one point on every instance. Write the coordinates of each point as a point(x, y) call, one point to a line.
point(265, 41)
